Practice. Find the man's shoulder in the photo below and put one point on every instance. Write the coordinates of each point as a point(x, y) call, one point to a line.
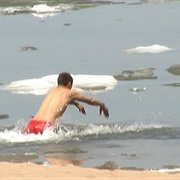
point(73, 91)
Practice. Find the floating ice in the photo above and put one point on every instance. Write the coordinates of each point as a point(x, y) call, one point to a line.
point(39, 10)
point(135, 89)
point(94, 82)
point(148, 49)
point(43, 8)
point(32, 86)
point(40, 86)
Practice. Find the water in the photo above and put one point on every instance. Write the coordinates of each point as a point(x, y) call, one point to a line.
point(116, 51)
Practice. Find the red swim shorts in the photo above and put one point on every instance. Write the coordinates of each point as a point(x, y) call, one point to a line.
point(36, 126)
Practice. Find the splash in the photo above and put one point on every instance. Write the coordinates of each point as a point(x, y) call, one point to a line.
point(16, 136)
point(71, 132)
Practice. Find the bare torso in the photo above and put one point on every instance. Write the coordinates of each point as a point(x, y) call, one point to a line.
point(54, 104)
point(57, 100)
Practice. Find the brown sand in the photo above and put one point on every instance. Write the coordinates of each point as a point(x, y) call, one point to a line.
point(58, 171)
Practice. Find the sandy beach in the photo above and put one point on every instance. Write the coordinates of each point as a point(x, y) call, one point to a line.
point(57, 171)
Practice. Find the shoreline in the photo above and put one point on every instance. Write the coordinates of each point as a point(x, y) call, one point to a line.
point(56, 171)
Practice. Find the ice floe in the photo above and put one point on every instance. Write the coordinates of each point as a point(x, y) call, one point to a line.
point(156, 48)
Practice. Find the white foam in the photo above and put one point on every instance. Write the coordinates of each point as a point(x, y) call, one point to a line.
point(73, 132)
point(175, 170)
point(40, 10)
point(14, 136)
point(148, 49)
point(40, 86)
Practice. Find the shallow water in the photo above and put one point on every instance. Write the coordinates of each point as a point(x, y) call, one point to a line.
point(141, 88)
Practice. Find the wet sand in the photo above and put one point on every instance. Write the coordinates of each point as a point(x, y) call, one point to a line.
point(58, 170)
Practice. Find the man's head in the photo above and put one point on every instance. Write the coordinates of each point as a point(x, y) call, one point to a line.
point(65, 79)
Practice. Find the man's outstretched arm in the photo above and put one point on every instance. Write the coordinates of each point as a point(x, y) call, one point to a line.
point(90, 100)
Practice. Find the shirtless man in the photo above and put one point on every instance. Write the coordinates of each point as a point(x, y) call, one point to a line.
point(56, 102)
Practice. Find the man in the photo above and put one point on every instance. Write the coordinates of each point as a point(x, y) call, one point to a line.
point(56, 102)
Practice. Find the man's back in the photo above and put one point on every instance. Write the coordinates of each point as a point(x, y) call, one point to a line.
point(54, 104)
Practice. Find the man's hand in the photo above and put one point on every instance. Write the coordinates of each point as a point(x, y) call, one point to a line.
point(105, 111)
point(81, 108)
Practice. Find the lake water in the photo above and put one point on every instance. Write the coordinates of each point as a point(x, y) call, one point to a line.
point(124, 53)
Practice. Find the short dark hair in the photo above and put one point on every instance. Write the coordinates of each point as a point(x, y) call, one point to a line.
point(64, 78)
